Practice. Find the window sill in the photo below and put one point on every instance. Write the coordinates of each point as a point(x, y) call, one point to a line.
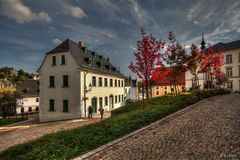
point(53, 65)
point(51, 111)
point(65, 86)
point(65, 111)
point(51, 87)
point(63, 64)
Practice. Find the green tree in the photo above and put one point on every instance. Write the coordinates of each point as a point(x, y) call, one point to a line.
point(8, 103)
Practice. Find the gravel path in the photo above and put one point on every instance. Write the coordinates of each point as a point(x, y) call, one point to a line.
point(208, 130)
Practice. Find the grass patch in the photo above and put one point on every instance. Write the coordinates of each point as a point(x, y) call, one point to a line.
point(7, 121)
point(72, 143)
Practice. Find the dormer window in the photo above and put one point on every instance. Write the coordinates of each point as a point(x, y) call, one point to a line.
point(113, 69)
point(107, 67)
point(63, 59)
point(53, 60)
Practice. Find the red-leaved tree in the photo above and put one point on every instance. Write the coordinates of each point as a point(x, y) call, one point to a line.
point(175, 56)
point(212, 60)
point(148, 57)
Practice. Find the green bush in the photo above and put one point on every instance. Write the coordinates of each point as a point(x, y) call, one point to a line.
point(7, 121)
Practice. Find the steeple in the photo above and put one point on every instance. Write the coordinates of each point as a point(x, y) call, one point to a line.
point(203, 44)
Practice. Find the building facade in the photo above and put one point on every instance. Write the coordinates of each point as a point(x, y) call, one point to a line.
point(72, 78)
point(29, 92)
point(231, 67)
point(163, 85)
point(131, 89)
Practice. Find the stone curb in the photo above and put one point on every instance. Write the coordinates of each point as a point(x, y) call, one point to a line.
point(165, 119)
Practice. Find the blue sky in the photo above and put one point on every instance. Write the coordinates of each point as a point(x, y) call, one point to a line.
point(30, 28)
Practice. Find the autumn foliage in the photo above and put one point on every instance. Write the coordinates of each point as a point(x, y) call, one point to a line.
point(148, 57)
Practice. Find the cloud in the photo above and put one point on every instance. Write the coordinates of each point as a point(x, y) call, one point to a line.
point(56, 41)
point(75, 12)
point(15, 9)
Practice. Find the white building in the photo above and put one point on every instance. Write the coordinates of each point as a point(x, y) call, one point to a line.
point(231, 66)
point(29, 91)
point(73, 78)
point(131, 89)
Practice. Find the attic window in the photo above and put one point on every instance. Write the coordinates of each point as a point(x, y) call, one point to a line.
point(88, 60)
point(100, 56)
point(98, 64)
point(113, 69)
point(107, 67)
point(93, 53)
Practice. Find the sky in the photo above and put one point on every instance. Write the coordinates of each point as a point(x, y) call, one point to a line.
point(30, 28)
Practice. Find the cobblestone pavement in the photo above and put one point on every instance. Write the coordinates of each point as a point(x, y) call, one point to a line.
point(26, 131)
point(208, 130)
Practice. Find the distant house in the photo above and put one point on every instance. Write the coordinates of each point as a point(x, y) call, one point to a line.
point(231, 67)
point(72, 78)
point(162, 84)
point(131, 89)
point(29, 91)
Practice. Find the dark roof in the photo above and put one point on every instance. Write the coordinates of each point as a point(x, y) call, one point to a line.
point(28, 88)
point(164, 76)
point(227, 46)
point(87, 59)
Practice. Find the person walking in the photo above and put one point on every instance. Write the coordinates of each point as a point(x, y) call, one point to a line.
point(90, 110)
point(101, 110)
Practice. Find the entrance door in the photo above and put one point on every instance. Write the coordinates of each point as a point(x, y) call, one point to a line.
point(94, 105)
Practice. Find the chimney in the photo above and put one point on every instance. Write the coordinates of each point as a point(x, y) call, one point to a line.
point(81, 44)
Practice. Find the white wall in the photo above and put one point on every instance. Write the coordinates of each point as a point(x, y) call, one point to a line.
point(101, 91)
point(58, 93)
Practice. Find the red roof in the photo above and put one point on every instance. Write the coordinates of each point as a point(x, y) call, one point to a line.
point(164, 76)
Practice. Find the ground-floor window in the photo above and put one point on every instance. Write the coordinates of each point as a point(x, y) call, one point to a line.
point(29, 109)
point(106, 101)
point(37, 108)
point(157, 93)
point(51, 105)
point(22, 110)
point(115, 99)
point(230, 85)
point(119, 98)
point(65, 105)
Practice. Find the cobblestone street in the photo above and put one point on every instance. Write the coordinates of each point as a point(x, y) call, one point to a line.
point(208, 130)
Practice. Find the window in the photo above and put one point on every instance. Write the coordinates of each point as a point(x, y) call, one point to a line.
point(157, 87)
point(65, 105)
point(115, 99)
point(37, 109)
point(228, 58)
point(100, 81)
point(63, 59)
point(100, 102)
point(94, 81)
point(122, 83)
point(115, 83)
point(65, 81)
point(53, 60)
point(230, 85)
point(37, 99)
point(29, 109)
point(119, 98)
point(51, 105)
point(239, 70)
point(51, 82)
point(118, 83)
point(122, 98)
point(106, 101)
point(105, 82)
point(111, 83)
point(22, 110)
point(157, 93)
point(229, 71)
